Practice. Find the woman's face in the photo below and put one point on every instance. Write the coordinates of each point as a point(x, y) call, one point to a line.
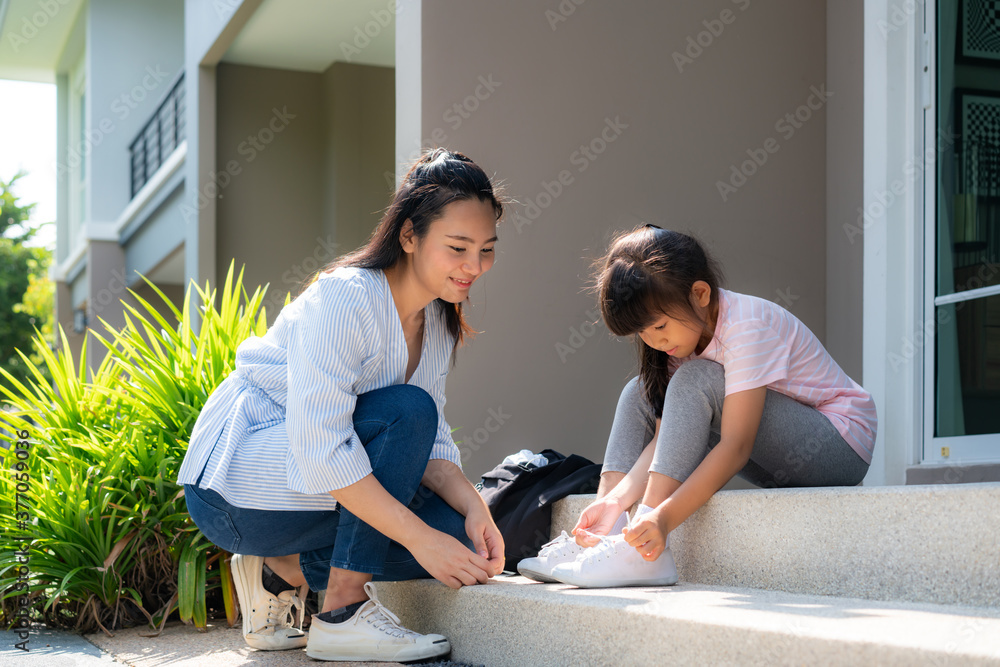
point(457, 249)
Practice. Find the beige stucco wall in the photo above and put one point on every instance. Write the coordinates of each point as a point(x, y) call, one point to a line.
point(844, 180)
point(269, 148)
point(672, 130)
point(360, 117)
point(304, 156)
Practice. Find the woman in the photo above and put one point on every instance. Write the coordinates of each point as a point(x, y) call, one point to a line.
point(325, 458)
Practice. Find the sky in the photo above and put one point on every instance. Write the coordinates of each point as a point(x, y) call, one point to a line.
point(28, 141)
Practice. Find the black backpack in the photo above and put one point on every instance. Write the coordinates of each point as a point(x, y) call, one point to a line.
point(520, 499)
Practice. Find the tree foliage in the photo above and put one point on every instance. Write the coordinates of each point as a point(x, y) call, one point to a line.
point(26, 293)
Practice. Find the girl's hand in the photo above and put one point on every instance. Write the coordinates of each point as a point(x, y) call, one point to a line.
point(486, 537)
point(448, 560)
point(647, 535)
point(597, 520)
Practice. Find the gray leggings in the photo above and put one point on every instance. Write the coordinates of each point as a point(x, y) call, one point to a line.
point(796, 445)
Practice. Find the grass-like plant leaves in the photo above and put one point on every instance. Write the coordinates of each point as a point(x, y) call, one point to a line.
point(109, 539)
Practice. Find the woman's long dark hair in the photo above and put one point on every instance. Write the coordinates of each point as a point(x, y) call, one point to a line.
point(438, 178)
point(647, 273)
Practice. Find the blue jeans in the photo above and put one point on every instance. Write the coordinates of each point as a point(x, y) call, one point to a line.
point(397, 426)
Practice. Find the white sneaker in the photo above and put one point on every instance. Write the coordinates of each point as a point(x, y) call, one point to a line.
point(614, 563)
point(563, 549)
point(266, 623)
point(373, 633)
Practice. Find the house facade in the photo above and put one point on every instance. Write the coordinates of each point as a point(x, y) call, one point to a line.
point(838, 158)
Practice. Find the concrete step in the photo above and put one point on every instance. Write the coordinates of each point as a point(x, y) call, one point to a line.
point(513, 621)
point(928, 543)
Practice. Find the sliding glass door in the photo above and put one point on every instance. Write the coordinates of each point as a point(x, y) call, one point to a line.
point(962, 323)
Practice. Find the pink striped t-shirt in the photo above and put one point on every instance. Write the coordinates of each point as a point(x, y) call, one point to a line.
point(760, 344)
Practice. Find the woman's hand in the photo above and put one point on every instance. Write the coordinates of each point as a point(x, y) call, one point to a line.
point(486, 537)
point(597, 520)
point(449, 561)
point(648, 535)
point(448, 481)
point(445, 558)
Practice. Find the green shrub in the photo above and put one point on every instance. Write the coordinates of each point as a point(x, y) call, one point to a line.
point(111, 542)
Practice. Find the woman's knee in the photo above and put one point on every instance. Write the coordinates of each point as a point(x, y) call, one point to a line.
point(403, 405)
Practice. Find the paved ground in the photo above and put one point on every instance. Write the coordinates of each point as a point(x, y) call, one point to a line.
point(51, 648)
point(177, 646)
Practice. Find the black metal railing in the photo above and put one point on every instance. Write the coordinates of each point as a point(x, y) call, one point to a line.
point(159, 137)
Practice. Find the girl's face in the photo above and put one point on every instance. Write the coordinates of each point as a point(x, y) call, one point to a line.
point(457, 249)
point(681, 337)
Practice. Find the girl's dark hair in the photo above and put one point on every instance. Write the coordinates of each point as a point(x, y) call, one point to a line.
point(438, 178)
point(647, 273)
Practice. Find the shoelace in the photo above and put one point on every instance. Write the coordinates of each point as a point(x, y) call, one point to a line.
point(606, 548)
point(558, 545)
point(277, 614)
point(383, 619)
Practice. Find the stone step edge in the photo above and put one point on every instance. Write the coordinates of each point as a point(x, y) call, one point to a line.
point(512, 621)
point(933, 543)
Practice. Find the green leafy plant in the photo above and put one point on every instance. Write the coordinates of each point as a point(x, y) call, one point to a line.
point(111, 543)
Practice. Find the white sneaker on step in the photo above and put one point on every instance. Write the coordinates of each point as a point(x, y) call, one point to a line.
point(614, 563)
point(373, 633)
point(266, 623)
point(563, 549)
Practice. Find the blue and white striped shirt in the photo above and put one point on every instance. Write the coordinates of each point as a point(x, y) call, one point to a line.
point(278, 433)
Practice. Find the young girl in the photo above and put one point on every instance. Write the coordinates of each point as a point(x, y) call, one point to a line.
point(325, 456)
point(728, 384)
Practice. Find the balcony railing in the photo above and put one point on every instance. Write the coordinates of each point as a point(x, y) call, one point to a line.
point(160, 136)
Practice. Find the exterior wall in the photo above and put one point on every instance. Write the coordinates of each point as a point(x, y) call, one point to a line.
point(360, 112)
point(209, 29)
point(670, 136)
point(121, 95)
point(106, 290)
point(160, 234)
point(134, 52)
point(313, 185)
point(64, 302)
point(844, 182)
point(64, 317)
point(270, 214)
point(893, 239)
point(173, 292)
